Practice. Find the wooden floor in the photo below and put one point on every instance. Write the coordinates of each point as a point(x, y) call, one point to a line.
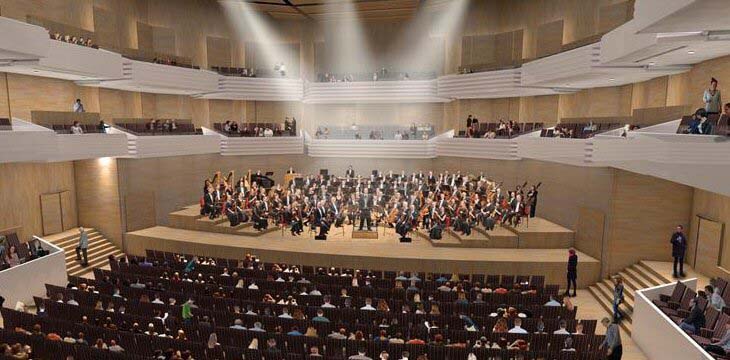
point(385, 253)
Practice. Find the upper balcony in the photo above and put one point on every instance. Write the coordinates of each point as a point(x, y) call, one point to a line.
point(258, 89)
point(485, 85)
point(149, 77)
point(366, 148)
point(399, 91)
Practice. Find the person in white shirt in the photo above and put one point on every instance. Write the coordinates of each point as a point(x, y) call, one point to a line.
point(78, 106)
point(268, 132)
point(157, 300)
point(238, 324)
point(253, 286)
point(285, 313)
point(398, 135)
point(517, 329)
point(72, 301)
point(562, 330)
point(315, 292)
point(328, 302)
point(553, 302)
point(76, 128)
point(368, 305)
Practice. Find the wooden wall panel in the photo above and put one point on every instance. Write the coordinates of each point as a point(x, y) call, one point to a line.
point(218, 51)
point(539, 109)
point(598, 102)
point(51, 213)
point(549, 39)
point(139, 210)
point(650, 93)
point(22, 184)
point(714, 207)
point(164, 41)
point(644, 212)
point(589, 231)
point(98, 196)
point(613, 16)
point(68, 210)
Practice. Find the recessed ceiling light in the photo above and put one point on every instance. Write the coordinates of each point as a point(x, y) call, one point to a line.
point(691, 52)
point(652, 63)
point(611, 79)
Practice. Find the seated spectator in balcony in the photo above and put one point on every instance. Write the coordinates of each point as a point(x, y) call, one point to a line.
point(712, 98)
point(11, 256)
point(102, 127)
point(152, 125)
point(699, 124)
point(227, 126)
point(271, 349)
point(398, 135)
point(76, 128)
point(722, 346)
point(716, 299)
point(78, 106)
point(234, 127)
point(696, 319)
point(268, 132)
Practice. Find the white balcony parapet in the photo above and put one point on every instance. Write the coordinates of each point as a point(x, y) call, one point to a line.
point(658, 336)
point(391, 149)
point(487, 84)
point(277, 145)
point(499, 149)
point(162, 79)
point(258, 89)
point(14, 281)
point(89, 146)
point(403, 91)
point(22, 41)
point(26, 142)
point(148, 146)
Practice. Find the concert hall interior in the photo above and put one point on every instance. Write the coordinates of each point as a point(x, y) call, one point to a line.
point(364, 179)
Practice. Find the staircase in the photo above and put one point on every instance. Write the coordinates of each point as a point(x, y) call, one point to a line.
point(636, 277)
point(99, 250)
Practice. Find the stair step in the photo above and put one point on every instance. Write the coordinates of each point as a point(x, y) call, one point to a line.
point(97, 247)
point(629, 292)
point(75, 240)
point(637, 278)
point(606, 290)
point(72, 245)
point(656, 274)
point(606, 305)
point(629, 281)
point(216, 221)
point(240, 226)
point(97, 261)
point(655, 280)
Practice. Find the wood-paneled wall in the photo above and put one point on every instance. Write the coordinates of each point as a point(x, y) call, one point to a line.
point(97, 196)
point(714, 207)
point(21, 187)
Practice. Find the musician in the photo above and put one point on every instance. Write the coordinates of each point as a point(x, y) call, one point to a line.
point(297, 224)
point(365, 204)
point(532, 199)
point(260, 216)
point(209, 203)
point(349, 173)
point(324, 227)
point(231, 212)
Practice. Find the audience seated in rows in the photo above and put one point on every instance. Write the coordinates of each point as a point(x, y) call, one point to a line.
point(582, 130)
point(71, 39)
point(5, 124)
point(494, 130)
point(13, 253)
point(234, 71)
point(338, 313)
point(704, 123)
point(162, 127)
point(232, 128)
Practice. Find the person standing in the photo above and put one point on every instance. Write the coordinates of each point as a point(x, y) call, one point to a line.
point(78, 106)
point(572, 272)
point(83, 247)
point(679, 247)
point(612, 342)
point(618, 297)
point(712, 98)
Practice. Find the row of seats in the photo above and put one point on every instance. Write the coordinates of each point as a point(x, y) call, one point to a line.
point(66, 128)
point(183, 128)
point(677, 307)
point(60, 317)
point(720, 124)
point(493, 127)
point(247, 129)
point(234, 71)
point(5, 124)
point(579, 130)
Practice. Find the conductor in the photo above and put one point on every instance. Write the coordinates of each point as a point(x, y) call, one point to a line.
point(365, 203)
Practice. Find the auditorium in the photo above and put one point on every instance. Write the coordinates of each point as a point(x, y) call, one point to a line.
point(364, 179)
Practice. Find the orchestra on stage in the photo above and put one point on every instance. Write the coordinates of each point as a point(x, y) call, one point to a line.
point(404, 202)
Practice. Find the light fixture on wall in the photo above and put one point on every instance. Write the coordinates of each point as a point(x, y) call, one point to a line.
point(691, 52)
point(105, 161)
point(611, 79)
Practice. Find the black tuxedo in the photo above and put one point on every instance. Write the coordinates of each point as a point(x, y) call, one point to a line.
point(365, 203)
point(679, 247)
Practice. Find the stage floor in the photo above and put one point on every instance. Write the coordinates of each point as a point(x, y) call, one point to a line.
point(385, 253)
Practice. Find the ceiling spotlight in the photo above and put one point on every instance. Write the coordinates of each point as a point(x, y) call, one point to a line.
point(611, 79)
point(691, 52)
point(652, 63)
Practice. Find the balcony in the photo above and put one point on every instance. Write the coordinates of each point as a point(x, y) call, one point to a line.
point(276, 145)
point(161, 79)
point(258, 89)
point(390, 149)
point(402, 91)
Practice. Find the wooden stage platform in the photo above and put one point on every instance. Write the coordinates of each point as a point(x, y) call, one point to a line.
point(385, 253)
point(537, 233)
